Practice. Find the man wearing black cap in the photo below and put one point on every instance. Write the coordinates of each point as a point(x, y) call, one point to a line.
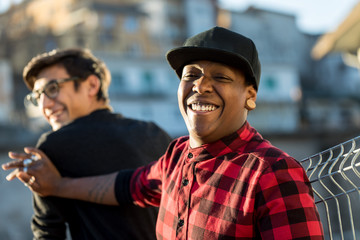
point(223, 181)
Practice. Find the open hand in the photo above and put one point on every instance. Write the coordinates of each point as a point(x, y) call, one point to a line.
point(35, 170)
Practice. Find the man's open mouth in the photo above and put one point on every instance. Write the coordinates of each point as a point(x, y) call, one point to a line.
point(202, 107)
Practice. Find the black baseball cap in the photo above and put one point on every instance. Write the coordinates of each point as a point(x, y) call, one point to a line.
point(219, 45)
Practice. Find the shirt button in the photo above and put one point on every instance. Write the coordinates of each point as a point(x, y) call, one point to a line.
point(190, 155)
point(181, 223)
point(185, 182)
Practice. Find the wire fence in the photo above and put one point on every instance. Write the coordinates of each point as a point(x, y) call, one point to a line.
point(335, 178)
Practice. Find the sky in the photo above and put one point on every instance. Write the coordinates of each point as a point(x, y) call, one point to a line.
point(313, 16)
point(4, 4)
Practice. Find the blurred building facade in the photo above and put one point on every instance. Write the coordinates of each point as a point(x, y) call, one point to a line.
point(302, 103)
point(6, 92)
point(336, 48)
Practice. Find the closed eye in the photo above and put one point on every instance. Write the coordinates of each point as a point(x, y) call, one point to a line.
point(222, 79)
point(190, 77)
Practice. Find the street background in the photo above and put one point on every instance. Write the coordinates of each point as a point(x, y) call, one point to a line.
point(308, 99)
point(15, 207)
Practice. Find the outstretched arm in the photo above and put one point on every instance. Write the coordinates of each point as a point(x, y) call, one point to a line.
point(42, 177)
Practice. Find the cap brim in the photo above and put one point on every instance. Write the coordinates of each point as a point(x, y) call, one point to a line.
point(179, 57)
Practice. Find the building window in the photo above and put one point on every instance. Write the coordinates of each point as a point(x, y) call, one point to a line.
point(106, 37)
point(148, 82)
point(134, 50)
point(117, 84)
point(131, 24)
point(108, 21)
point(270, 83)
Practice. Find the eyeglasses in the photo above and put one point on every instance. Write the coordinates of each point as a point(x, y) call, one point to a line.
point(51, 90)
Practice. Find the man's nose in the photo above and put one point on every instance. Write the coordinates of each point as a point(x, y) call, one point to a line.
point(202, 85)
point(45, 101)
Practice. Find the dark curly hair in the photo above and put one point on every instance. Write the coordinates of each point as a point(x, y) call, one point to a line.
point(78, 62)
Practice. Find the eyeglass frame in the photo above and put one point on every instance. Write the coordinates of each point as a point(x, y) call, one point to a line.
point(35, 100)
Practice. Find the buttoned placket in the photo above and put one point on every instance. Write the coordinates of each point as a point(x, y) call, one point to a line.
point(185, 196)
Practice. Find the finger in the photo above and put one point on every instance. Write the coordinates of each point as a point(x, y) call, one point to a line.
point(36, 153)
point(12, 164)
point(24, 177)
point(35, 157)
point(27, 162)
point(12, 175)
point(16, 155)
point(34, 187)
point(31, 170)
point(29, 181)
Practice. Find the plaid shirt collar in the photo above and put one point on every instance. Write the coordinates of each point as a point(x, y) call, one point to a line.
point(235, 141)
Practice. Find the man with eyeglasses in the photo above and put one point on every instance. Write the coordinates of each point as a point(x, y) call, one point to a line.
point(70, 86)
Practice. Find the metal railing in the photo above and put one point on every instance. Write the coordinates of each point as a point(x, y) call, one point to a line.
point(335, 178)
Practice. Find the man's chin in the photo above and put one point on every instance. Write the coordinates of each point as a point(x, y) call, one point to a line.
point(56, 125)
point(201, 131)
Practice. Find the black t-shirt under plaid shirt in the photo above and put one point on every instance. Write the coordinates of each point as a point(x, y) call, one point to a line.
point(240, 187)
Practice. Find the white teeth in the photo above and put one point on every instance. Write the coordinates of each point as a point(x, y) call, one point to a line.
point(203, 107)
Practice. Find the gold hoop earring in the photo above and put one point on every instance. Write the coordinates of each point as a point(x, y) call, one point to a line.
point(250, 104)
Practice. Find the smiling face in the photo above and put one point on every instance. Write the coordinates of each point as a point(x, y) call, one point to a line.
point(69, 104)
point(212, 100)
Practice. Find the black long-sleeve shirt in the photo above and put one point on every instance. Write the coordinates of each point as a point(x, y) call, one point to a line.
point(100, 143)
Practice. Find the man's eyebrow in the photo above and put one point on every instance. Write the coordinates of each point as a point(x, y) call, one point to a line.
point(191, 67)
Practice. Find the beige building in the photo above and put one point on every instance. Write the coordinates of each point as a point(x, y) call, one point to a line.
point(345, 39)
point(40, 25)
point(6, 93)
point(131, 36)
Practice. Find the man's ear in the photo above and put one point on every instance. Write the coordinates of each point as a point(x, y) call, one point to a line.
point(251, 95)
point(93, 85)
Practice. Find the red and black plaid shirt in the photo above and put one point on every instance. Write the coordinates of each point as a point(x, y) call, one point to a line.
point(240, 187)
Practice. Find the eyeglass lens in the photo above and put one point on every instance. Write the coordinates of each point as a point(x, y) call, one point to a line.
point(51, 90)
